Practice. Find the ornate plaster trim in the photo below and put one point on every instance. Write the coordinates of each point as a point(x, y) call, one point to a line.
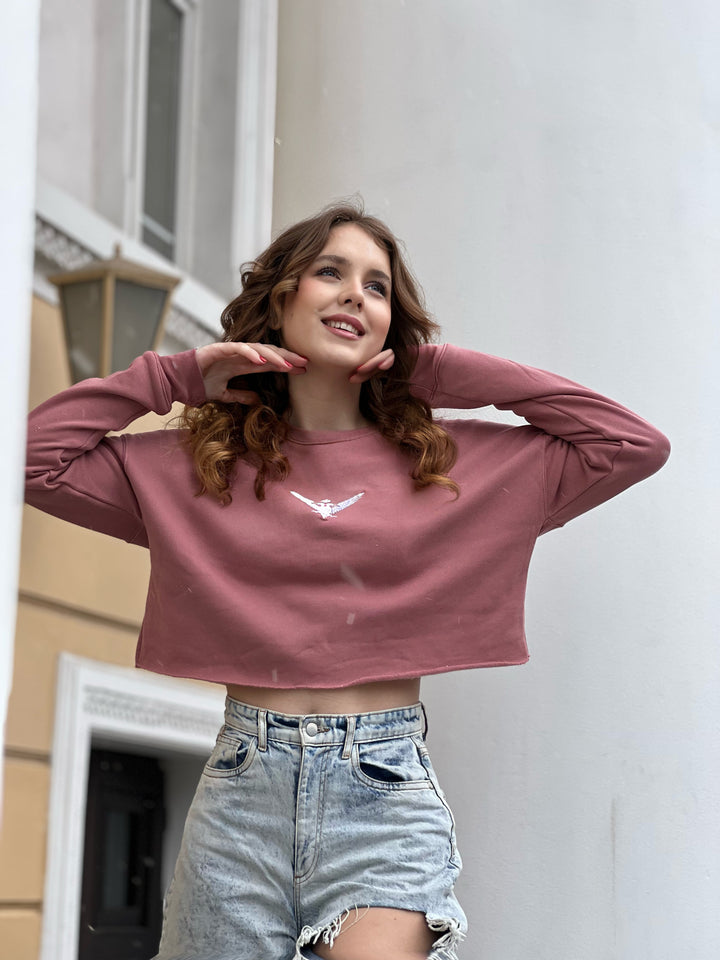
point(59, 248)
point(132, 710)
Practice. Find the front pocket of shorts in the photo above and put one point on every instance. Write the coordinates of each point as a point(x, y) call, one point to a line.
point(231, 756)
point(390, 765)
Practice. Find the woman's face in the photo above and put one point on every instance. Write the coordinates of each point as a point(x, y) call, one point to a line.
point(340, 314)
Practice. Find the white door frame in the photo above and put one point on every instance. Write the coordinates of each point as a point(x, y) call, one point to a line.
point(125, 706)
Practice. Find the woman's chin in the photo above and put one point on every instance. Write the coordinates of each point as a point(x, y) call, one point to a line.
point(336, 362)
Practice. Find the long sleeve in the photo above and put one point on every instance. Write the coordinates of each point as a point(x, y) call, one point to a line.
point(594, 447)
point(74, 471)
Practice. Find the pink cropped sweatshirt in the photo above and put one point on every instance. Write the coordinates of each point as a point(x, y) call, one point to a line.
point(345, 573)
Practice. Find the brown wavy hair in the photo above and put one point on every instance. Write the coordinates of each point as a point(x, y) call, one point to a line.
point(219, 433)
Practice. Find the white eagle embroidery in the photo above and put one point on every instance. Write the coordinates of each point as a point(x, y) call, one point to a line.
point(326, 508)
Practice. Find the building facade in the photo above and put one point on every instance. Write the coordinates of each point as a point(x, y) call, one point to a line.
point(553, 170)
point(155, 132)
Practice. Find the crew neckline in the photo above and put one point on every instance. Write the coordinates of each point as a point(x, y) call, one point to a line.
point(297, 435)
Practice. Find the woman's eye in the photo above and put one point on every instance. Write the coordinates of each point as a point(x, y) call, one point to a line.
point(378, 286)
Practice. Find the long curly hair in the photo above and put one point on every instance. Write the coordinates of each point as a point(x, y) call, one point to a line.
point(219, 433)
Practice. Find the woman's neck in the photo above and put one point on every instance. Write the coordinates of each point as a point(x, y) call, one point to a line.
point(321, 403)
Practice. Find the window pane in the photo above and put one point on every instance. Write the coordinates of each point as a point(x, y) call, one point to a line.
point(120, 888)
point(161, 127)
point(121, 908)
point(82, 302)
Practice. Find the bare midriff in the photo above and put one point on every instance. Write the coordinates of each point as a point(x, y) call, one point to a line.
point(363, 698)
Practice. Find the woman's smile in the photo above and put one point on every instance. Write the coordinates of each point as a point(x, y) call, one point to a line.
point(343, 324)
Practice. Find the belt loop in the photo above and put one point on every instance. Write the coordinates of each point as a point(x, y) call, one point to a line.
point(262, 729)
point(425, 721)
point(349, 736)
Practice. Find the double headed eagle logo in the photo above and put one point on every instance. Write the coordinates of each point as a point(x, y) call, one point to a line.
point(326, 508)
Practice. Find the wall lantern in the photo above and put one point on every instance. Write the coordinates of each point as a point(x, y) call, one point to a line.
point(113, 310)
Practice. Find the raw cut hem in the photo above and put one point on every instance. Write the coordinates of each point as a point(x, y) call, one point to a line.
point(326, 933)
point(451, 936)
point(153, 665)
point(444, 948)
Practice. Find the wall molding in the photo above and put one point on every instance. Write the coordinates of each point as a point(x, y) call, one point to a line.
point(82, 613)
point(255, 128)
point(100, 701)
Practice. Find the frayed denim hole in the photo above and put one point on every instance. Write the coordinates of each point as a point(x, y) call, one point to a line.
point(448, 930)
point(324, 934)
point(449, 938)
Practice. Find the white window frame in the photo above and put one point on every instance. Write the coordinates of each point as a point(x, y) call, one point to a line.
point(137, 74)
point(121, 706)
point(255, 126)
point(255, 129)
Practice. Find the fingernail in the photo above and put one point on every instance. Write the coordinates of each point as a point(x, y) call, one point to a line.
point(263, 360)
point(288, 364)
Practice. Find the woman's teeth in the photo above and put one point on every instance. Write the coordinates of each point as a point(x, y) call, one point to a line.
point(341, 325)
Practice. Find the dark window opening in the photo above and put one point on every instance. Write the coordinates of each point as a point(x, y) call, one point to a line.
point(121, 910)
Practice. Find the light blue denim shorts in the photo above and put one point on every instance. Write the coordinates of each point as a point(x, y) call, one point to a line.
point(299, 824)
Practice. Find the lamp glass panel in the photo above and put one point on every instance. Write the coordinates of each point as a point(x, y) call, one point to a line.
point(82, 314)
point(138, 310)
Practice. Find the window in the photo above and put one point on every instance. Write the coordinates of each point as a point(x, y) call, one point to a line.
point(162, 123)
point(121, 910)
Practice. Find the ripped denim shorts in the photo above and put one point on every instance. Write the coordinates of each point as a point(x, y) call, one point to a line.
point(299, 824)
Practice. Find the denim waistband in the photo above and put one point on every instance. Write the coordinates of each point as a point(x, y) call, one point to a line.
point(322, 729)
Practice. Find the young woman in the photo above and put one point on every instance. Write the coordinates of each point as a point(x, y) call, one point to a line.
point(318, 543)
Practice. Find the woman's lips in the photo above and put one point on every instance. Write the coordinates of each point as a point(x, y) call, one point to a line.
point(341, 333)
point(344, 325)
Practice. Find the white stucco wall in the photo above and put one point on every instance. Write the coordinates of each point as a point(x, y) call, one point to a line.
point(67, 79)
point(553, 169)
point(18, 120)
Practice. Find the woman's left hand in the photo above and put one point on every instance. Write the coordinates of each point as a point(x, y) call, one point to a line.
point(381, 361)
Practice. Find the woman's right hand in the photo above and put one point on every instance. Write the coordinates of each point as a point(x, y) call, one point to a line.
point(220, 362)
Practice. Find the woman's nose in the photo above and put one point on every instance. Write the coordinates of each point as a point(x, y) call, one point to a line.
point(353, 292)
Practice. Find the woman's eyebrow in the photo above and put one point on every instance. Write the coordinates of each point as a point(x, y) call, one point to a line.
point(344, 262)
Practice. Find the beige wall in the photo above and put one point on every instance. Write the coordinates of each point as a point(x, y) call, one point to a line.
point(80, 592)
